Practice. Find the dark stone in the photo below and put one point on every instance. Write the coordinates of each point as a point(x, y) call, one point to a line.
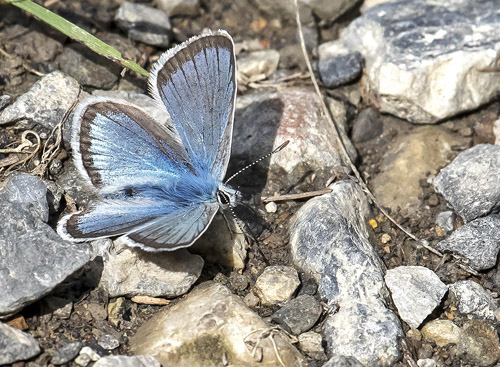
point(299, 314)
point(342, 69)
point(15, 345)
point(366, 126)
point(66, 354)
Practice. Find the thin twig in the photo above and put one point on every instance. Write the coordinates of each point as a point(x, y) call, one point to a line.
point(347, 159)
point(303, 195)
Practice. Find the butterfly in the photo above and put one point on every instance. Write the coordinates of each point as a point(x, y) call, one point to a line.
point(160, 185)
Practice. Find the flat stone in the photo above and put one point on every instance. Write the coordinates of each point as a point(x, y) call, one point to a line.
point(472, 299)
point(46, 102)
point(311, 344)
point(469, 184)
point(416, 292)
point(66, 354)
point(441, 332)
point(264, 120)
point(299, 314)
point(329, 240)
point(144, 23)
point(419, 53)
point(479, 344)
point(257, 65)
point(221, 327)
point(16, 345)
point(179, 7)
point(411, 158)
point(87, 67)
point(34, 258)
point(277, 284)
point(366, 126)
point(128, 361)
point(477, 241)
point(131, 272)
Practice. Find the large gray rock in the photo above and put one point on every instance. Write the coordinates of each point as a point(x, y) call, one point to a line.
point(265, 120)
point(130, 272)
point(34, 258)
point(470, 183)
point(144, 23)
point(220, 326)
point(424, 58)
point(16, 345)
point(472, 299)
point(329, 240)
point(46, 102)
point(477, 241)
point(416, 292)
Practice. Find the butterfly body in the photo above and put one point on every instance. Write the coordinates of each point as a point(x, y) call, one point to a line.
point(160, 185)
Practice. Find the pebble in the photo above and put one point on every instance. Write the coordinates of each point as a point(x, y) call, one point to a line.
point(366, 126)
point(257, 65)
point(16, 345)
point(66, 354)
point(271, 207)
point(46, 102)
point(477, 241)
point(179, 7)
point(277, 284)
point(144, 23)
point(476, 167)
point(299, 314)
point(216, 318)
point(427, 362)
point(337, 65)
point(86, 355)
point(446, 220)
point(131, 272)
point(441, 332)
point(108, 342)
point(311, 344)
point(479, 344)
point(472, 299)
point(415, 69)
point(336, 251)
point(128, 361)
point(416, 292)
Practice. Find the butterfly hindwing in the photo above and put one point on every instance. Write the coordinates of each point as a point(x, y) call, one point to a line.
point(196, 81)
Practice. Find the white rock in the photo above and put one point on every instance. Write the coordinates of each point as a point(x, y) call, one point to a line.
point(257, 65)
point(472, 299)
point(127, 361)
point(416, 292)
point(271, 207)
point(277, 284)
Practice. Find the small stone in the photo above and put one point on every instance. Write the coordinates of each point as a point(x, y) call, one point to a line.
point(257, 65)
point(116, 310)
point(75, 186)
point(478, 241)
point(277, 284)
point(427, 362)
point(108, 342)
point(343, 361)
point(146, 300)
point(446, 220)
point(16, 345)
point(339, 70)
point(441, 332)
point(66, 354)
point(308, 287)
point(299, 314)
point(311, 344)
point(433, 200)
point(479, 344)
point(271, 207)
point(18, 322)
point(416, 292)
point(469, 183)
point(385, 238)
point(251, 300)
point(128, 361)
point(472, 299)
point(144, 23)
point(179, 7)
point(86, 355)
point(46, 102)
point(366, 126)
point(425, 351)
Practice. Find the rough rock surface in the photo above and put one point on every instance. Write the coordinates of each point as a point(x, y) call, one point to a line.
point(127, 361)
point(476, 167)
point(472, 299)
point(16, 345)
point(424, 58)
point(477, 241)
point(277, 284)
point(329, 240)
point(416, 292)
point(219, 323)
point(441, 332)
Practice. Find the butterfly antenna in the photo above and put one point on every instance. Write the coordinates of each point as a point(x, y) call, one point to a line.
point(278, 149)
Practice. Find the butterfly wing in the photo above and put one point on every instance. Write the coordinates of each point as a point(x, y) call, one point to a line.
point(151, 224)
point(196, 82)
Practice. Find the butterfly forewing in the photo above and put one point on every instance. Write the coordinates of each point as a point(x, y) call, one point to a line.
point(196, 81)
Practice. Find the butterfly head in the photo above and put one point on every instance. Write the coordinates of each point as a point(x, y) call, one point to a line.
point(227, 196)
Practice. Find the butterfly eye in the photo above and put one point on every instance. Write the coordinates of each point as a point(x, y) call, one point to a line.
point(223, 198)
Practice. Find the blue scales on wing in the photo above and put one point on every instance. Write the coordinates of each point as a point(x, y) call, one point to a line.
point(196, 81)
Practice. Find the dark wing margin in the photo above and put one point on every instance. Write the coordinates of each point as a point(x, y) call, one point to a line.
point(196, 82)
point(115, 143)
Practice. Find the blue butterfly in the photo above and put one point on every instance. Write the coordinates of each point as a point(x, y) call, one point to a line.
point(160, 186)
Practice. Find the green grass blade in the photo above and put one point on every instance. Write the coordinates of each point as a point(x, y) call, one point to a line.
point(73, 31)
